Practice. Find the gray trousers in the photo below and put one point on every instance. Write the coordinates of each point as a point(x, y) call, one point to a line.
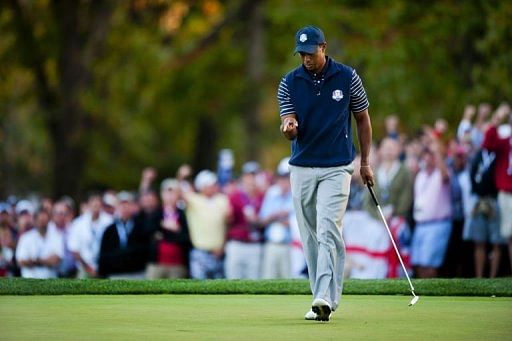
point(320, 197)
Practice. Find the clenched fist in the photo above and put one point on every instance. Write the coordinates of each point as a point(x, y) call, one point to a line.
point(289, 126)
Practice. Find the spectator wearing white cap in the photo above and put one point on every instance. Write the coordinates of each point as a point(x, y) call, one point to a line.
point(86, 233)
point(109, 202)
point(207, 214)
point(5, 214)
point(9, 236)
point(40, 250)
point(275, 215)
point(244, 246)
point(24, 206)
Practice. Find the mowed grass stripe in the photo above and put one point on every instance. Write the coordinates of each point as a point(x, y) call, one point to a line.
point(430, 287)
point(250, 317)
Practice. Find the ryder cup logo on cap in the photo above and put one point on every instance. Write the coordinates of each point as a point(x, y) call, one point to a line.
point(337, 95)
point(307, 39)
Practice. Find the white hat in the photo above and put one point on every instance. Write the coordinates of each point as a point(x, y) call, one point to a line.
point(169, 183)
point(109, 199)
point(24, 206)
point(205, 178)
point(283, 168)
point(125, 196)
point(504, 131)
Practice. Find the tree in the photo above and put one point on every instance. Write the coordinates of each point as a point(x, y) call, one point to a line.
point(78, 34)
point(94, 91)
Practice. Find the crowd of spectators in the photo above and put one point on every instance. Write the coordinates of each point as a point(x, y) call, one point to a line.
point(447, 200)
point(179, 228)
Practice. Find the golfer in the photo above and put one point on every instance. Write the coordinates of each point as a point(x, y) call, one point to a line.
point(316, 101)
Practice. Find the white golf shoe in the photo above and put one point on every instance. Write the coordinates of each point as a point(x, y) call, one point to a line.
point(322, 309)
point(310, 315)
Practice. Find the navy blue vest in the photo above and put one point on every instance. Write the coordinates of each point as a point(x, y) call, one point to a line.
point(323, 113)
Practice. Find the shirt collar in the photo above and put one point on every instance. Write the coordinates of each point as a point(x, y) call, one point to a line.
point(328, 70)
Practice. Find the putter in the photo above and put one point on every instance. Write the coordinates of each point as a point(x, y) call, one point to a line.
point(374, 197)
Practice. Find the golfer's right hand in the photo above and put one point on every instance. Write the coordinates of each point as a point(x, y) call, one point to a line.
point(367, 175)
point(289, 127)
point(290, 124)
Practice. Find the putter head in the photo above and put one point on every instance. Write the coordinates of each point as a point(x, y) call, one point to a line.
point(414, 300)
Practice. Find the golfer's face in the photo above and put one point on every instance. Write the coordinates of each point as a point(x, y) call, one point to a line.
point(313, 62)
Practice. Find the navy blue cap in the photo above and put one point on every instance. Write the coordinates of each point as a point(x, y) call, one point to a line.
point(307, 39)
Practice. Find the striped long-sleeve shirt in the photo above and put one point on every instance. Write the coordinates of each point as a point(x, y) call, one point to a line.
point(358, 99)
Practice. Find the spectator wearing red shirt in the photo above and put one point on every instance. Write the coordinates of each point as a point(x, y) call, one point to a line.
point(502, 147)
point(171, 240)
point(244, 245)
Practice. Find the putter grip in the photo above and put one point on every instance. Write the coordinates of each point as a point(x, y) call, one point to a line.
point(374, 197)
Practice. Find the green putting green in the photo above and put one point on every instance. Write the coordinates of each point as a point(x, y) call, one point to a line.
point(250, 317)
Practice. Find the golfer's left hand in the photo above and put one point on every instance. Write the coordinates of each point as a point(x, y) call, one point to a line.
point(366, 175)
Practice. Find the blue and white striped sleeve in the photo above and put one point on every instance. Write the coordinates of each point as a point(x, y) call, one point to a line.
point(283, 97)
point(358, 100)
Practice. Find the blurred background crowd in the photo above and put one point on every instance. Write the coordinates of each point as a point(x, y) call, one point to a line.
point(446, 189)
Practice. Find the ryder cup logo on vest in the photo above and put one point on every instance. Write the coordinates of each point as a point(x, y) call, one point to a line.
point(303, 37)
point(337, 95)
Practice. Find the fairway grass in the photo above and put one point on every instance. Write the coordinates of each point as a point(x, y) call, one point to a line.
point(250, 317)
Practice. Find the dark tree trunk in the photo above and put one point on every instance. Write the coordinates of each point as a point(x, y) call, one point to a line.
point(66, 127)
point(205, 152)
point(81, 28)
point(255, 70)
point(206, 148)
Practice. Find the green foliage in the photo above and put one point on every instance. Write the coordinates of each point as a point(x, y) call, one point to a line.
point(167, 68)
